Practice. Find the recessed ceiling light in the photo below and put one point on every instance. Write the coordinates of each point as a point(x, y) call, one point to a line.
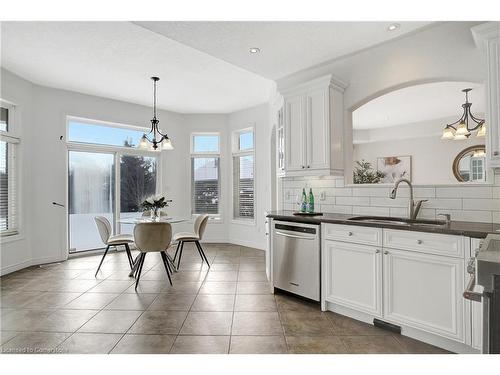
point(393, 26)
point(254, 50)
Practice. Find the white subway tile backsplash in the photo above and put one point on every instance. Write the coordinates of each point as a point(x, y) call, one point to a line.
point(388, 202)
point(455, 204)
point(340, 192)
point(465, 192)
point(464, 203)
point(353, 201)
point(371, 191)
point(482, 204)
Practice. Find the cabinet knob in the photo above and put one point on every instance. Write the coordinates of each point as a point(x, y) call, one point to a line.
point(308, 166)
point(303, 167)
point(386, 252)
point(350, 234)
point(495, 153)
point(377, 251)
point(419, 242)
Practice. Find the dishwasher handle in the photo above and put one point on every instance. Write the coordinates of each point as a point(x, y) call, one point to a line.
point(294, 236)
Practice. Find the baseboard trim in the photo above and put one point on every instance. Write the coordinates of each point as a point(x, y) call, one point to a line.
point(255, 245)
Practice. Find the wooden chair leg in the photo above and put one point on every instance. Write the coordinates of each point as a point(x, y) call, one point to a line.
point(143, 256)
point(202, 253)
point(102, 260)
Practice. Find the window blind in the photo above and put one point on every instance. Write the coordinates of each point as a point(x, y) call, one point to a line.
point(205, 185)
point(243, 186)
point(8, 187)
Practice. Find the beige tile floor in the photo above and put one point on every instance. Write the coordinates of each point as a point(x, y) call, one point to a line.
point(63, 308)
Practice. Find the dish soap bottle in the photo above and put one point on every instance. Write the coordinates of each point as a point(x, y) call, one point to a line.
point(303, 205)
point(310, 207)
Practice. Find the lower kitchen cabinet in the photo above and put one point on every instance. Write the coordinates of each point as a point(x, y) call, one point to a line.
point(424, 291)
point(354, 276)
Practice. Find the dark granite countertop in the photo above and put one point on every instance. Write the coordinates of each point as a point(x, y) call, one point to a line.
point(461, 228)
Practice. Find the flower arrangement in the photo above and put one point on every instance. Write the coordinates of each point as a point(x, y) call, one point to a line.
point(155, 203)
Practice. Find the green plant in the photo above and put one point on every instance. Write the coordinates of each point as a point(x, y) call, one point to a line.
point(364, 173)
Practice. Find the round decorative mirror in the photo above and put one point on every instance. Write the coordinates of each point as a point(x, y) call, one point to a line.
point(470, 164)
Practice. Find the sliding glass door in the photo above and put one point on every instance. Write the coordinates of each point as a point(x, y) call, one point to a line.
point(109, 184)
point(91, 182)
point(137, 182)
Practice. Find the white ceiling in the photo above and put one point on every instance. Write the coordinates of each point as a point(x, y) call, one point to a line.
point(116, 59)
point(205, 67)
point(419, 103)
point(285, 47)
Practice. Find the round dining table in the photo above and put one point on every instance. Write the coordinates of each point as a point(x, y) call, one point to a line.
point(146, 219)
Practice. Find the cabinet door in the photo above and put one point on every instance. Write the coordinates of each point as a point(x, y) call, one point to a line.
point(425, 292)
point(295, 133)
point(353, 276)
point(493, 119)
point(318, 129)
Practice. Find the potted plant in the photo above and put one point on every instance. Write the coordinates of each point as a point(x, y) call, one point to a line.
point(155, 204)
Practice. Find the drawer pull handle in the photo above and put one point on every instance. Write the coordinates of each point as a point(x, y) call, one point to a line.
point(419, 242)
point(377, 251)
point(350, 234)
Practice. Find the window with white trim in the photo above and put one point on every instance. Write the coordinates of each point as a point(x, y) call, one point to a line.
point(243, 174)
point(205, 173)
point(9, 222)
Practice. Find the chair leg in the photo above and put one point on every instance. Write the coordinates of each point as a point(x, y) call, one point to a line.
point(138, 264)
point(167, 267)
point(180, 254)
point(129, 256)
point(143, 256)
point(102, 260)
point(177, 250)
point(202, 253)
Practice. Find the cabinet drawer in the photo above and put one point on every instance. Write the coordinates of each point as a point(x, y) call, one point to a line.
point(432, 243)
point(352, 234)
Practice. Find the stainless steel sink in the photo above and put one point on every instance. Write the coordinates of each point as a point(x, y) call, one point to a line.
point(397, 221)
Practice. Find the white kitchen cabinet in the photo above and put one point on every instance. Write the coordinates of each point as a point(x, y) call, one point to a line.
point(354, 276)
point(313, 128)
point(424, 291)
point(295, 133)
point(487, 37)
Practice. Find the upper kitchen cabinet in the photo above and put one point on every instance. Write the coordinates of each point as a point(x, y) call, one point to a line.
point(487, 37)
point(312, 136)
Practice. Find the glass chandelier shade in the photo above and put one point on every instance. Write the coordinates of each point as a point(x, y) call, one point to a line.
point(467, 124)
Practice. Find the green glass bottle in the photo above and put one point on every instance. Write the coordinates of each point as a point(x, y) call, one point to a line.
point(303, 205)
point(311, 201)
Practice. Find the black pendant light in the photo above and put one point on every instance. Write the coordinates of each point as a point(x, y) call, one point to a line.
point(466, 124)
point(158, 140)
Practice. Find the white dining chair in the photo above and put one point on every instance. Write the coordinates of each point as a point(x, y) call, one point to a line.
point(196, 236)
point(152, 237)
point(109, 240)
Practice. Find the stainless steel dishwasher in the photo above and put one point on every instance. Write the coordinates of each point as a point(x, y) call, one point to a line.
point(296, 258)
